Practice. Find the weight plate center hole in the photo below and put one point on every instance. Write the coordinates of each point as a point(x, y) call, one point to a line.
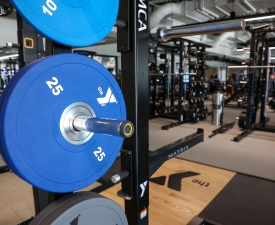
point(67, 129)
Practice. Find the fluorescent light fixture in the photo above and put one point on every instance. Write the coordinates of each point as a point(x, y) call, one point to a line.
point(272, 57)
point(260, 18)
point(8, 56)
point(247, 52)
point(237, 66)
point(242, 49)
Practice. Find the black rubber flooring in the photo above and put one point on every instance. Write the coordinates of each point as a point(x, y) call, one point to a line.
point(245, 200)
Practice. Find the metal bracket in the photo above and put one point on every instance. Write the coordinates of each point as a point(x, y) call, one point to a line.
point(222, 129)
point(123, 42)
point(127, 183)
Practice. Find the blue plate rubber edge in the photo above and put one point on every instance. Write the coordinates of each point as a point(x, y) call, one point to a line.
point(2, 106)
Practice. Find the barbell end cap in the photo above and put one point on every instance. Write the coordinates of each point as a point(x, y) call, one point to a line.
point(126, 129)
point(161, 34)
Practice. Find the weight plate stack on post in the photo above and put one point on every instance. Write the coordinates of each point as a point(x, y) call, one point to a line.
point(271, 104)
point(242, 120)
point(194, 115)
point(203, 112)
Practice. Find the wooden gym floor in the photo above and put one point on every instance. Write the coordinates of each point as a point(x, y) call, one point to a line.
point(200, 184)
point(179, 191)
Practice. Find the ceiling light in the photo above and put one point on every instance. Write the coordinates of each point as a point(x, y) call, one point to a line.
point(8, 56)
point(237, 66)
point(259, 18)
point(239, 49)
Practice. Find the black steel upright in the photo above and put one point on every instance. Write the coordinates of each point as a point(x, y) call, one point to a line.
point(134, 64)
point(181, 70)
point(173, 71)
point(30, 43)
point(252, 80)
point(265, 80)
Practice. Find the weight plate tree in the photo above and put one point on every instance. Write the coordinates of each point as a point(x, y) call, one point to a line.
point(54, 131)
point(60, 20)
point(81, 208)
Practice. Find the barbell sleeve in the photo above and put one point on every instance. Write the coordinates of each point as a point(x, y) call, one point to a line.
point(120, 128)
point(13, 45)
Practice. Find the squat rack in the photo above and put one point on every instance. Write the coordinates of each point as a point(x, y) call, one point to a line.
point(133, 41)
point(257, 57)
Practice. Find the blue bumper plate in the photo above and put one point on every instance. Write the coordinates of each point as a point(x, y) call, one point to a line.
point(2, 100)
point(70, 22)
point(31, 112)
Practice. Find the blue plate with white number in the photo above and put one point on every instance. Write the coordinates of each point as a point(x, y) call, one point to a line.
point(2, 100)
point(70, 22)
point(32, 132)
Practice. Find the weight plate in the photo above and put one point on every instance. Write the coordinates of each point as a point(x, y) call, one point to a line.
point(31, 115)
point(81, 208)
point(2, 99)
point(6, 10)
point(70, 22)
point(242, 121)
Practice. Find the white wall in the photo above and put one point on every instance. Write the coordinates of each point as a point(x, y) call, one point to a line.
point(110, 49)
point(216, 66)
point(8, 29)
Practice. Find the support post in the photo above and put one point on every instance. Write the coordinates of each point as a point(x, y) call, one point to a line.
point(180, 109)
point(260, 61)
point(134, 64)
point(251, 83)
point(173, 71)
point(30, 43)
point(265, 91)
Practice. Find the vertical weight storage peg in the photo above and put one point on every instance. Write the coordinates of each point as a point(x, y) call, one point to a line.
point(63, 122)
